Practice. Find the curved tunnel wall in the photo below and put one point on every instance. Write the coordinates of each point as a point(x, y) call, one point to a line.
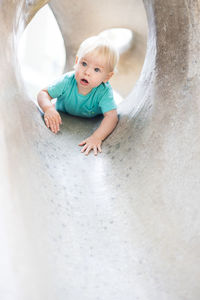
point(132, 229)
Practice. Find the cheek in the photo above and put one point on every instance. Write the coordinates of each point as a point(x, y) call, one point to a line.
point(76, 73)
point(98, 77)
point(101, 78)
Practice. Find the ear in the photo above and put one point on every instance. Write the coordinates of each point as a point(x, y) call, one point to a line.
point(109, 75)
point(76, 61)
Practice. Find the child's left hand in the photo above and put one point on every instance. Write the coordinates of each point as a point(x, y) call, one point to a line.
point(92, 142)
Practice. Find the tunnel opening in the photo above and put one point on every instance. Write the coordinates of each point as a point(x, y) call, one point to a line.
point(41, 52)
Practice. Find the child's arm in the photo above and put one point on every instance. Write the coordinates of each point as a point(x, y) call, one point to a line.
point(51, 116)
point(94, 141)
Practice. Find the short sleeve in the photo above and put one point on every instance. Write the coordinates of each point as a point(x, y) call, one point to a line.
point(57, 88)
point(107, 101)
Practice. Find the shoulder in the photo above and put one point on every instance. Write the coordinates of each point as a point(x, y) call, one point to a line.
point(105, 88)
point(67, 79)
point(60, 85)
point(106, 99)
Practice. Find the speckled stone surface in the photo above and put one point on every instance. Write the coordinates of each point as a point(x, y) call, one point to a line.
point(124, 224)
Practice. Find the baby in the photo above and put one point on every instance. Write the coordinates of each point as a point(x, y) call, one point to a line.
point(85, 92)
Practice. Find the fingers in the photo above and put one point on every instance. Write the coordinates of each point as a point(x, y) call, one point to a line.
point(87, 148)
point(82, 143)
point(54, 126)
point(46, 121)
point(84, 148)
point(53, 123)
point(95, 150)
point(99, 148)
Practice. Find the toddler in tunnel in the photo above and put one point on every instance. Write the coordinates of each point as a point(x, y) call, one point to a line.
point(85, 92)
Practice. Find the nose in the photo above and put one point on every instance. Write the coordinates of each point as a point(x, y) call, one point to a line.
point(87, 71)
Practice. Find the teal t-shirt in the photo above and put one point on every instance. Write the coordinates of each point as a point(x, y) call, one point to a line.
point(98, 101)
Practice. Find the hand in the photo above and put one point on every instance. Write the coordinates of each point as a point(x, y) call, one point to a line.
point(52, 119)
point(90, 143)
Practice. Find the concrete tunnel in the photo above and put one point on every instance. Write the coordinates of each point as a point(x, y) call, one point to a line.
point(124, 224)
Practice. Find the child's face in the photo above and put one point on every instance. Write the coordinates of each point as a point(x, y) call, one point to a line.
point(90, 71)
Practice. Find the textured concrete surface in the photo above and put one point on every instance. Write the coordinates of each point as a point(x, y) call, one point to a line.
point(124, 224)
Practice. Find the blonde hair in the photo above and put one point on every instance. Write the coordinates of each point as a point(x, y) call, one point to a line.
point(100, 46)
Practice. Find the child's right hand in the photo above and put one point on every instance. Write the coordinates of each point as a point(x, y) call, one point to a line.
point(52, 119)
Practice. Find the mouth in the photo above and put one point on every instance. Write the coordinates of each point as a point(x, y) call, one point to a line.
point(84, 81)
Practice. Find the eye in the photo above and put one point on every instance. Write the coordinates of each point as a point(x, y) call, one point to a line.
point(97, 70)
point(84, 64)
